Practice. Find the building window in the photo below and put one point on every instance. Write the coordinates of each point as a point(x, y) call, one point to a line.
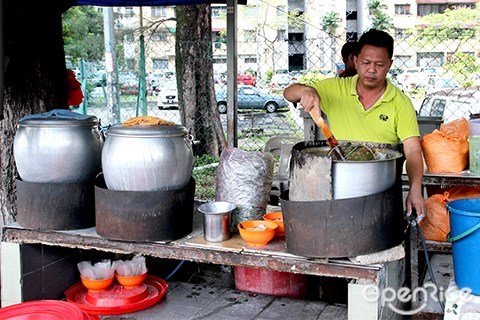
point(352, 36)
point(160, 36)
point(129, 12)
point(402, 62)
point(249, 36)
point(295, 36)
point(250, 59)
point(159, 12)
point(426, 9)
point(351, 15)
point(160, 64)
point(129, 37)
point(219, 12)
point(220, 60)
point(402, 9)
point(430, 59)
point(281, 35)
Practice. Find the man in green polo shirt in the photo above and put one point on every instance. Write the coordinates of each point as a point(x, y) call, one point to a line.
point(369, 108)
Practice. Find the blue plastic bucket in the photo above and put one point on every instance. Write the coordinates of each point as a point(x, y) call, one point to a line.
point(465, 238)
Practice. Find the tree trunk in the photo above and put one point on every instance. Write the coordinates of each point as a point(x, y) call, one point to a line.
point(35, 78)
point(194, 66)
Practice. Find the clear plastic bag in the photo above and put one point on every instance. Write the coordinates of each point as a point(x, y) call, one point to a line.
point(245, 179)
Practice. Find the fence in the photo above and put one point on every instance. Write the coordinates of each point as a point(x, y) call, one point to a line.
point(439, 77)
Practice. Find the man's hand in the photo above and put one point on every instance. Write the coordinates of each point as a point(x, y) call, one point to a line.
point(309, 99)
point(415, 200)
point(306, 95)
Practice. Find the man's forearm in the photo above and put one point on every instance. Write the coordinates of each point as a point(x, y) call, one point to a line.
point(415, 171)
point(293, 92)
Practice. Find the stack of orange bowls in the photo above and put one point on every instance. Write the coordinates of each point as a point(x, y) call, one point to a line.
point(277, 217)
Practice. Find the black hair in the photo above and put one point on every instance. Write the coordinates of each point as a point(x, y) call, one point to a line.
point(347, 49)
point(376, 38)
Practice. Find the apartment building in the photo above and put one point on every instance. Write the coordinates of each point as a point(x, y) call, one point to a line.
point(278, 35)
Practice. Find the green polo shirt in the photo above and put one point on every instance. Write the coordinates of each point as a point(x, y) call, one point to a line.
point(391, 119)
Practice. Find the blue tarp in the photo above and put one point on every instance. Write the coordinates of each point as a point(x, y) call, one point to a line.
point(135, 3)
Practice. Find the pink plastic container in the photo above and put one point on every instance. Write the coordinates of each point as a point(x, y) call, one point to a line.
point(276, 283)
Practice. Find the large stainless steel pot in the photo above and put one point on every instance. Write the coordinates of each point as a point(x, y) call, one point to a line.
point(58, 150)
point(354, 178)
point(362, 178)
point(147, 158)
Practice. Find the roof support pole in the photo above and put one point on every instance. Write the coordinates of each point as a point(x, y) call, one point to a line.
point(113, 103)
point(232, 108)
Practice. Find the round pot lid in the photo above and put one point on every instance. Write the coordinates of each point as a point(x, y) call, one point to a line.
point(58, 117)
point(155, 131)
point(117, 299)
point(45, 310)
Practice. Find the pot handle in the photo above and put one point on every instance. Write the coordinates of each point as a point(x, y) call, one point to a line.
point(98, 132)
point(189, 141)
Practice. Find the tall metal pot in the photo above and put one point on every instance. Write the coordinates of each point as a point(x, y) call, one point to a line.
point(58, 150)
point(147, 158)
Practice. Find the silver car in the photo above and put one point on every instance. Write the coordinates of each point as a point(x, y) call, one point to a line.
point(250, 97)
point(168, 95)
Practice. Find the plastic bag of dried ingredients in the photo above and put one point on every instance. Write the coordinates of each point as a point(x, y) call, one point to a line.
point(245, 179)
point(446, 150)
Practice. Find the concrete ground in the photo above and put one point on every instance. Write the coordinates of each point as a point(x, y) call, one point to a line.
point(187, 301)
point(206, 291)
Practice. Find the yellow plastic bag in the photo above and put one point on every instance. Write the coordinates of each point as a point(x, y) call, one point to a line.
point(446, 150)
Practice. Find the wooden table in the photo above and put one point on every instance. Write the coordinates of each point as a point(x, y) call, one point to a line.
point(193, 247)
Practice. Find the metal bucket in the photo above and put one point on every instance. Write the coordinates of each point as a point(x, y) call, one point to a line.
point(216, 220)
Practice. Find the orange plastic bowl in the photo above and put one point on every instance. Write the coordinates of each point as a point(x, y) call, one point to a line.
point(257, 233)
point(133, 281)
point(277, 217)
point(96, 285)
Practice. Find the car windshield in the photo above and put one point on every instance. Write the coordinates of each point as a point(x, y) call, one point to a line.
point(169, 85)
point(432, 107)
point(249, 91)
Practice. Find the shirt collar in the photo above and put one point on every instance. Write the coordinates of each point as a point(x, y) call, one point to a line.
point(388, 95)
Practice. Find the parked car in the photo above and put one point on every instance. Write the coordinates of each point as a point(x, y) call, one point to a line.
point(451, 104)
point(250, 97)
point(128, 83)
point(168, 95)
point(154, 80)
point(246, 79)
point(282, 80)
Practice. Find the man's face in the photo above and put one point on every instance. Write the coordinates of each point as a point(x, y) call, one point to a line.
point(372, 65)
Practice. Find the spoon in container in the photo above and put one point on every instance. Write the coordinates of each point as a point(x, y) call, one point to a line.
point(332, 142)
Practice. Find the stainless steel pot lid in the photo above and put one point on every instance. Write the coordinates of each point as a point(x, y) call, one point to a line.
point(58, 117)
point(148, 131)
